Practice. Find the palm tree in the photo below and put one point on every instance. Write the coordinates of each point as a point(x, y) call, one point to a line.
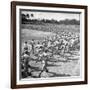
point(27, 15)
point(32, 15)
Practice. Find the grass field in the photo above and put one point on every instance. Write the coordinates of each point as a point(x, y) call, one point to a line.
point(51, 27)
point(29, 31)
point(59, 66)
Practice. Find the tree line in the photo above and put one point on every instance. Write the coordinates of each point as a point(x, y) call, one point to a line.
point(26, 19)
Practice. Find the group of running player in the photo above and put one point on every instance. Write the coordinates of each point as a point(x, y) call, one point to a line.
point(45, 49)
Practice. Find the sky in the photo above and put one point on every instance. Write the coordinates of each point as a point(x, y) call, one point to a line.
point(50, 15)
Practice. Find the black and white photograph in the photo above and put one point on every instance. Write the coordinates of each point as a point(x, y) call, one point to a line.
point(49, 44)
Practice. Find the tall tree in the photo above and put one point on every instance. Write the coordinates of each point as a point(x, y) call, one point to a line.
point(32, 15)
